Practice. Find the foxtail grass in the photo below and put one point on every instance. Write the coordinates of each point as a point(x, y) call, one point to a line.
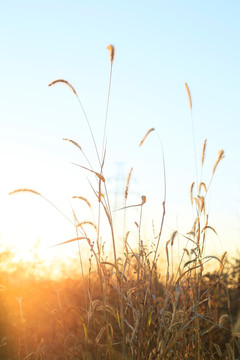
point(134, 310)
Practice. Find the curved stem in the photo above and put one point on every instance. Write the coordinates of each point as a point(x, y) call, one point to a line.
point(106, 114)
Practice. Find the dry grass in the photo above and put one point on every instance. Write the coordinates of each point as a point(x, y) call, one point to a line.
point(128, 183)
point(220, 157)
point(63, 82)
point(189, 95)
point(203, 151)
point(126, 308)
point(146, 136)
point(160, 321)
point(111, 50)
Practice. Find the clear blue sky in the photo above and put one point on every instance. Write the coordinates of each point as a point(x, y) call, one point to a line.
point(160, 45)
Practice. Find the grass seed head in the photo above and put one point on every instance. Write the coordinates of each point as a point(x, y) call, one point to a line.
point(127, 183)
point(87, 223)
point(144, 199)
point(24, 190)
point(173, 237)
point(191, 192)
point(200, 186)
point(83, 199)
point(145, 136)
point(203, 151)
point(220, 157)
point(111, 50)
point(74, 143)
point(189, 95)
point(202, 204)
point(64, 82)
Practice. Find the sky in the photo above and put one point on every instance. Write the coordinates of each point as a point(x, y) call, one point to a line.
point(159, 45)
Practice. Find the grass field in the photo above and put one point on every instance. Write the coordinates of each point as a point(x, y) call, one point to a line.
point(126, 307)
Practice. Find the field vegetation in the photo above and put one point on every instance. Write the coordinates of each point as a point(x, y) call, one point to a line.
point(124, 306)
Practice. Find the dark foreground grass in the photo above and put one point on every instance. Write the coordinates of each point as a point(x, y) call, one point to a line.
point(49, 319)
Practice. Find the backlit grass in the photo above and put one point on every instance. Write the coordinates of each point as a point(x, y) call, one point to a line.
point(125, 306)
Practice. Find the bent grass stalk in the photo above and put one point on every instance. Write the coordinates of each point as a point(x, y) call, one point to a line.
point(83, 110)
point(37, 193)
